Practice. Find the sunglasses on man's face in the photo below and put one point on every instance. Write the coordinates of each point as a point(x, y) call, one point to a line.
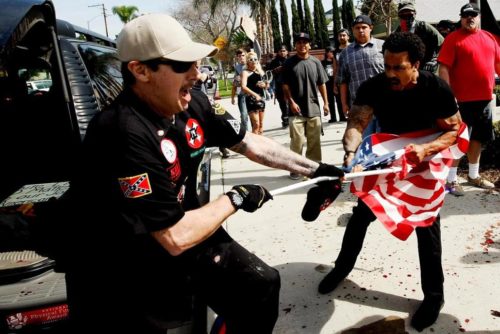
point(405, 16)
point(176, 66)
point(471, 14)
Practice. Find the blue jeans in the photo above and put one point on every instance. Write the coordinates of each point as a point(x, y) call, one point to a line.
point(243, 111)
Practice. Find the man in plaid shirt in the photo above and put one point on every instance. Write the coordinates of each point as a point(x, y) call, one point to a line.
point(358, 62)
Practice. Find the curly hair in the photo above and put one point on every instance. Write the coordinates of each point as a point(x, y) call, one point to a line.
point(405, 41)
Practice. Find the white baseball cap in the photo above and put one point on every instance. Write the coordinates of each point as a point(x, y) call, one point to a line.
point(154, 36)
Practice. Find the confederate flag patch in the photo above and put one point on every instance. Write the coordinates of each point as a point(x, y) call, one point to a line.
point(135, 186)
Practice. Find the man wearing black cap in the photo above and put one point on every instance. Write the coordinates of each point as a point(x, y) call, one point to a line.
point(329, 65)
point(445, 27)
point(142, 241)
point(360, 61)
point(277, 67)
point(468, 61)
point(303, 76)
point(428, 34)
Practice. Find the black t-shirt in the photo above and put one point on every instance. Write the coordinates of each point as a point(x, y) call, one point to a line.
point(303, 76)
point(137, 175)
point(407, 110)
point(278, 61)
point(146, 165)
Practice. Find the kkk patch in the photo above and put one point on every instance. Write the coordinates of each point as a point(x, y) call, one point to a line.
point(169, 150)
point(135, 186)
point(235, 124)
point(194, 134)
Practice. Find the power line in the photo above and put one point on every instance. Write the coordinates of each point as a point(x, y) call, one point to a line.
point(104, 15)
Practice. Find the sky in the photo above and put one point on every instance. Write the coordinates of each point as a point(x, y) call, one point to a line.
point(79, 13)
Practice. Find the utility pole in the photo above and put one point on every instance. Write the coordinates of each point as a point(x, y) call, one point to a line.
point(103, 14)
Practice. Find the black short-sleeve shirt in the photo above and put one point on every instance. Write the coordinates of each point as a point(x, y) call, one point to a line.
point(407, 110)
point(139, 169)
point(303, 76)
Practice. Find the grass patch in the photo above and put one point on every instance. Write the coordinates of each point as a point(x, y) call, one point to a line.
point(225, 87)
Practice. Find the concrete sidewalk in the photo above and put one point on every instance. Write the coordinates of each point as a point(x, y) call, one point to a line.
point(385, 283)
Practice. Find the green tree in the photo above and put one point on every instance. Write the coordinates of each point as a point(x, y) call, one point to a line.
point(125, 13)
point(308, 22)
point(350, 15)
point(295, 20)
point(285, 28)
point(301, 15)
point(345, 23)
point(320, 25)
point(275, 22)
point(380, 11)
point(259, 12)
point(336, 21)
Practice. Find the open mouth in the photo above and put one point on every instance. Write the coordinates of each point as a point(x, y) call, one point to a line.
point(185, 96)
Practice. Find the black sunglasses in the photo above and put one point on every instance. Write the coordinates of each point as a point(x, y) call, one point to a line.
point(471, 14)
point(177, 66)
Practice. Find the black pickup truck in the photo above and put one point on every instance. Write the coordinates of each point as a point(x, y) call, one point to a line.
point(53, 78)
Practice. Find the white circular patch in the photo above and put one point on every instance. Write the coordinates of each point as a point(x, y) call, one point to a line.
point(169, 150)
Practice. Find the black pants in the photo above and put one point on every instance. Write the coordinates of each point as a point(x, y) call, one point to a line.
point(237, 285)
point(331, 101)
point(220, 273)
point(280, 96)
point(429, 250)
point(338, 100)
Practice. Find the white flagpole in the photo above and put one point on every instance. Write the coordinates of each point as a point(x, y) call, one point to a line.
point(347, 176)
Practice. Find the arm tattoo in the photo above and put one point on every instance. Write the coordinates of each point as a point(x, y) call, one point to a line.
point(269, 153)
point(359, 118)
point(240, 148)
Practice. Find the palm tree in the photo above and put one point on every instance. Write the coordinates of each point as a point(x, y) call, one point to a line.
point(125, 13)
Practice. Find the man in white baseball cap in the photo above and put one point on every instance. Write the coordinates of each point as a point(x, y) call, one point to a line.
point(149, 243)
point(159, 36)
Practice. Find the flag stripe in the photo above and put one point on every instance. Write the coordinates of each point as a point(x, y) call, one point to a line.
point(413, 198)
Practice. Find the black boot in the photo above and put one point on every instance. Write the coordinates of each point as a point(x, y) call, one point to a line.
point(331, 281)
point(427, 314)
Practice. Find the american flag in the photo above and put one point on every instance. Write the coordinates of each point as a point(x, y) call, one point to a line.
point(414, 196)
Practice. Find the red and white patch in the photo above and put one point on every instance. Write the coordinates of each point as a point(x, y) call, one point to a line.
point(194, 134)
point(135, 186)
point(169, 150)
point(175, 171)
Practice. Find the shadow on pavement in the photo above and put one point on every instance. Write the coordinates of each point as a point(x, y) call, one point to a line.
point(303, 310)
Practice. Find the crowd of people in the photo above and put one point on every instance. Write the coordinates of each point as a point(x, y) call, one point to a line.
point(156, 244)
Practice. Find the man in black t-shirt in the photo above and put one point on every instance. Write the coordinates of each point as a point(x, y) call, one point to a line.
point(277, 67)
point(403, 99)
point(303, 77)
point(141, 242)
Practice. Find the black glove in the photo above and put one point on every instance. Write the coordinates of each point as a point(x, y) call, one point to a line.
point(249, 197)
point(328, 170)
point(322, 195)
point(319, 198)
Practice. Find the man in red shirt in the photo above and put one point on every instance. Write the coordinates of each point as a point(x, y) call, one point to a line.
point(468, 59)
